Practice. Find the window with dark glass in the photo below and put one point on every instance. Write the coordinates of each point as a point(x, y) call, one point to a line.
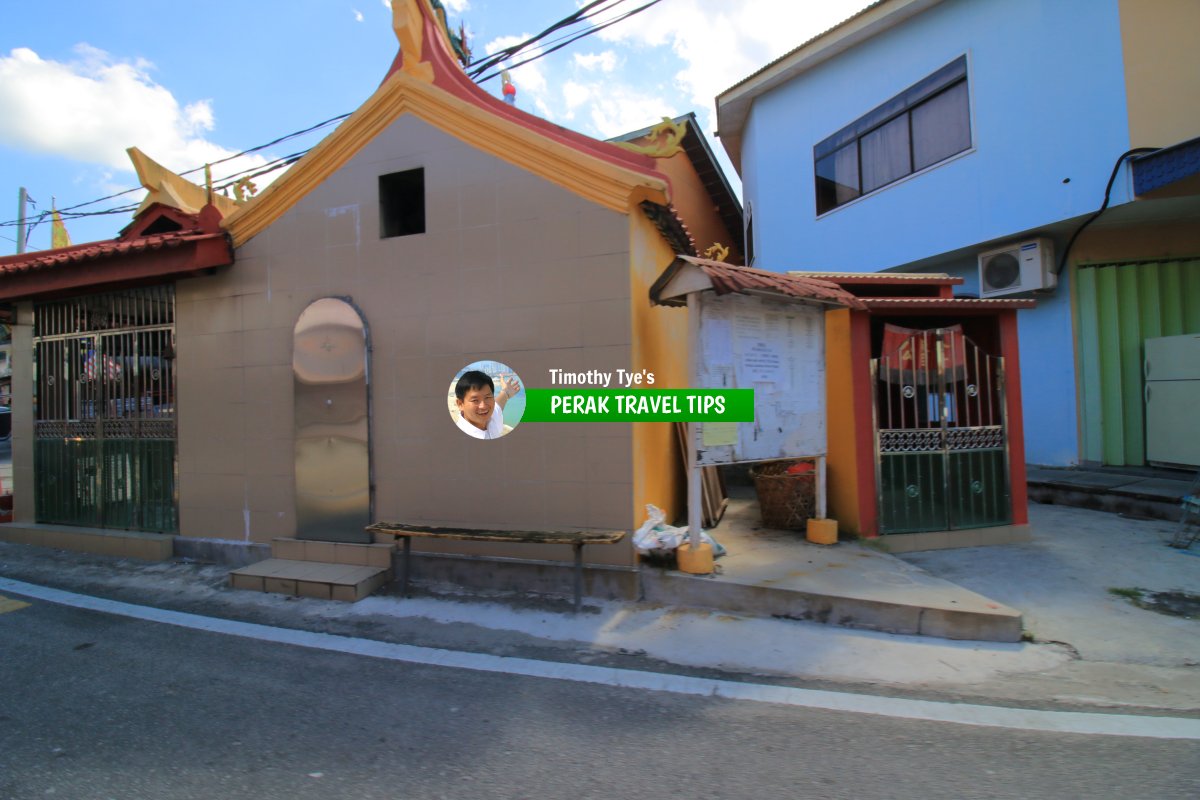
point(926, 123)
point(402, 203)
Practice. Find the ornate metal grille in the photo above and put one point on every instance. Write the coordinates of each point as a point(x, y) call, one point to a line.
point(941, 451)
point(105, 429)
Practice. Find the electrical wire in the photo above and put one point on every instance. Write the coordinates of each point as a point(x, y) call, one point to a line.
point(486, 63)
point(574, 38)
point(584, 13)
point(1062, 261)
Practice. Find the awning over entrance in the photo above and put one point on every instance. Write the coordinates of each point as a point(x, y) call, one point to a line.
point(689, 274)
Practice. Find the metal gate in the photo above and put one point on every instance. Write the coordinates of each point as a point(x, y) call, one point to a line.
point(940, 433)
point(104, 410)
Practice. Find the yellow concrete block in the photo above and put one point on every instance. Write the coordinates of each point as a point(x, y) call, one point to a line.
point(280, 585)
point(252, 583)
point(355, 554)
point(698, 561)
point(320, 551)
point(314, 589)
point(822, 531)
point(380, 555)
point(291, 549)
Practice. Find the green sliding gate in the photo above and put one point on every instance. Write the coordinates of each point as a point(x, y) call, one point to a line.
point(940, 433)
point(104, 377)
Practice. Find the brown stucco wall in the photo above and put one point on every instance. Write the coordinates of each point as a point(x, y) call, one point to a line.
point(694, 205)
point(510, 268)
point(1162, 70)
point(1165, 240)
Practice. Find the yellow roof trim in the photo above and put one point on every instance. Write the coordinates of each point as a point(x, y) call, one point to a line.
point(164, 186)
point(591, 178)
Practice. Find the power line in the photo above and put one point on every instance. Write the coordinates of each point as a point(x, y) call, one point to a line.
point(585, 13)
point(484, 64)
point(573, 38)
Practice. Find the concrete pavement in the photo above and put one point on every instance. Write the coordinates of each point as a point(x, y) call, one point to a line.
point(1089, 647)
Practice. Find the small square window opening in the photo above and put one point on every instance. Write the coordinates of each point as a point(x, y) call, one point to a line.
point(402, 203)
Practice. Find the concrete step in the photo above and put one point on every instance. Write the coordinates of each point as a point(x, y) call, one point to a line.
point(323, 581)
point(361, 555)
point(1135, 495)
point(854, 584)
point(925, 607)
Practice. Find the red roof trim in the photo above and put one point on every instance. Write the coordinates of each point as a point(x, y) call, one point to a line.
point(886, 278)
point(105, 264)
point(449, 76)
point(943, 303)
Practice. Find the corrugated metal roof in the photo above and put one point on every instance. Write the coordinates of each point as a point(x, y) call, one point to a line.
point(1166, 166)
point(953, 303)
point(727, 278)
point(936, 278)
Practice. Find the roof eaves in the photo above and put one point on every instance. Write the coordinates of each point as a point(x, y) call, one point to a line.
point(1166, 166)
point(733, 104)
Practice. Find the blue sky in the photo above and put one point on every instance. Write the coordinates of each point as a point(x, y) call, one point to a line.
point(82, 80)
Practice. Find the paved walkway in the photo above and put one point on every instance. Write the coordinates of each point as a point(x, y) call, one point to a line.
point(779, 574)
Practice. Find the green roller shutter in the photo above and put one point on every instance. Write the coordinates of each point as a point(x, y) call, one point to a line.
point(1119, 306)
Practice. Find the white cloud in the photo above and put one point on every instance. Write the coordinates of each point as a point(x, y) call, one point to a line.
point(575, 94)
point(358, 15)
point(529, 79)
point(721, 43)
point(93, 108)
point(453, 6)
point(605, 62)
point(618, 109)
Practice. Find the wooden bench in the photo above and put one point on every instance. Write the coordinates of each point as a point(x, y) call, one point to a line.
point(577, 539)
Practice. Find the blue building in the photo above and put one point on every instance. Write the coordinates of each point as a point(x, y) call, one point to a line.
point(979, 138)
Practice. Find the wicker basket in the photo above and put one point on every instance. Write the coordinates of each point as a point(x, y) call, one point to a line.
point(787, 500)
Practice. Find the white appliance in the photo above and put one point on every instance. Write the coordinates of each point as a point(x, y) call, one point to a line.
point(1015, 268)
point(1172, 371)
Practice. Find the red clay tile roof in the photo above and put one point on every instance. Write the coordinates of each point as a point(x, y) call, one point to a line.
point(129, 259)
point(727, 278)
point(95, 251)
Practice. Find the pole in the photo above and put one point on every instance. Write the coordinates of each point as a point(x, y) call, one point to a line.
point(694, 489)
point(22, 198)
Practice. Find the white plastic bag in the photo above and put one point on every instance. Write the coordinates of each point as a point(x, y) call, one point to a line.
point(656, 537)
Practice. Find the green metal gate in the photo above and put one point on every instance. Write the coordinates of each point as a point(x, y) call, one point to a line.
point(104, 378)
point(940, 434)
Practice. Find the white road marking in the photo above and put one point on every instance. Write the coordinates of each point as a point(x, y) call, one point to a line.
point(962, 713)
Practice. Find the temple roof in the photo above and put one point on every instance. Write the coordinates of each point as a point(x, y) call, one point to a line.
point(426, 80)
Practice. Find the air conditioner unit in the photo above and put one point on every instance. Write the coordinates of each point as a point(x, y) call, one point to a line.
point(1020, 267)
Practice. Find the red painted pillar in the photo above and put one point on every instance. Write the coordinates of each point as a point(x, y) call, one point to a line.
point(1016, 423)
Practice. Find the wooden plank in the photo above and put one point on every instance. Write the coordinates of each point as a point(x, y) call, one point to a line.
point(481, 535)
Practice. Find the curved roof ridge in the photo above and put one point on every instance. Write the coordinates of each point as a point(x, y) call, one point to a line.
point(449, 76)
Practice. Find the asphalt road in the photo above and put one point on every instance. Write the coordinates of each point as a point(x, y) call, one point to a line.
point(97, 706)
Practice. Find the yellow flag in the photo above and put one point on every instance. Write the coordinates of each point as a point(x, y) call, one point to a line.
point(58, 232)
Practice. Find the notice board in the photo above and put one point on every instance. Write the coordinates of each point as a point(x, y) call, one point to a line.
point(777, 349)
